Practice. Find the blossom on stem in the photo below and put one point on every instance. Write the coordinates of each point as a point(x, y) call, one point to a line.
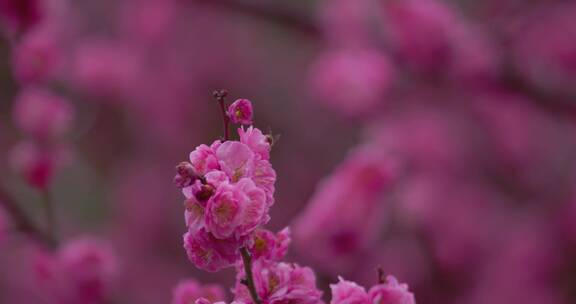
point(279, 283)
point(347, 292)
point(240, 112)
point(210, 253)
point(267, 245)
point(236, 209)
point(391, 292)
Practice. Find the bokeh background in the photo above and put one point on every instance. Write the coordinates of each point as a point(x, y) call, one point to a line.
point(473, 102)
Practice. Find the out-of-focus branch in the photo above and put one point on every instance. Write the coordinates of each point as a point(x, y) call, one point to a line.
point(21, 220)
point(270, 12)
point(300, 23)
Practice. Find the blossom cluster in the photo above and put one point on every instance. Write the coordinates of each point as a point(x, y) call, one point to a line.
point(229, 189)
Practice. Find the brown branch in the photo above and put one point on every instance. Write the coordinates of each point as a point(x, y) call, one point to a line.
point(249, 280)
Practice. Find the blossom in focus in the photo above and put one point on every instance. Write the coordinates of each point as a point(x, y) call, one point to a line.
point(280, 283)
point(347, 292)
point(42, 115)
point(210, 253)
point(267, 245)
point(236, 209)
point(391, 292)
point(188, 291)
point(256, 141)
point(240, 112)
point(351, 81)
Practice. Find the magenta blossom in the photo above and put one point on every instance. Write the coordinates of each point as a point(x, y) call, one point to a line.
point(188, 291)
point(391, 292)
point(42, 115)
point(209, 253)
point(347, 292)
point(240, 112)
point(36, 164)
point(280, 283)
point(267, 245)
point(236, 209)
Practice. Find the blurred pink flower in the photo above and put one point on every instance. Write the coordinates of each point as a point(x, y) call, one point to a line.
point(240, 112)
point(42, 115)
point(79, 272)
point(37, 57)
point(188, 291)
point(351, 81)
point(36, 164)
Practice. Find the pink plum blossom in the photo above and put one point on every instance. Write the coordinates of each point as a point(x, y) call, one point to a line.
point(236, 209)
point(203, 158)
point(188, 291)
point(210, 253)
point(236, 159)
point(256, 141)
point(240, 112)
point(391, 292)
point(267, 245)
point(347, 292)
point(280, 283)
point(36, 164)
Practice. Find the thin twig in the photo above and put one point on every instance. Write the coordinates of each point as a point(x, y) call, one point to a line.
point(220, 96)
point(49, 210)
point(21, 220)
point(272, 13)
point(249, 280)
